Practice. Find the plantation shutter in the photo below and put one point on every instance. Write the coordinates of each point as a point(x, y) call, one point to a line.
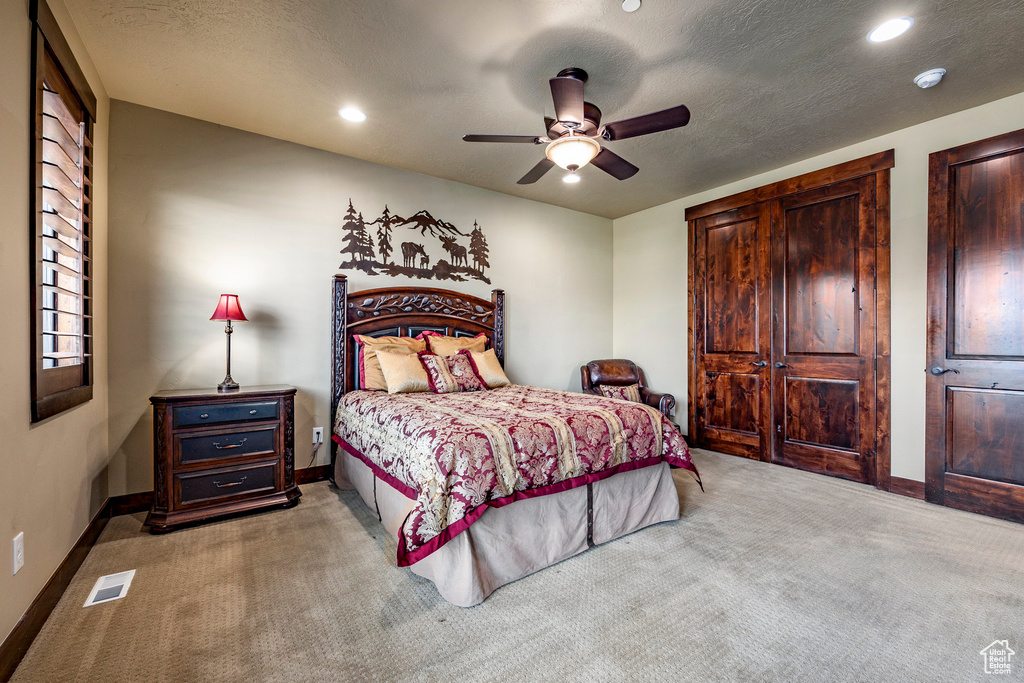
point(63, 329)
point(65, 244)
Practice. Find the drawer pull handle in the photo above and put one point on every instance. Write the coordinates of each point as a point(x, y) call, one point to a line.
point(228, 484)
point(216, 444)
point(204, 416)
point(253, 411)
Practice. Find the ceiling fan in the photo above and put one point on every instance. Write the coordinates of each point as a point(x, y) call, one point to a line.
point(574, 135)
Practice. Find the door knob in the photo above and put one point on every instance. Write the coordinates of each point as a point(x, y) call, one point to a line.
point(759, 363)
point(937, 370)
point(781, 365)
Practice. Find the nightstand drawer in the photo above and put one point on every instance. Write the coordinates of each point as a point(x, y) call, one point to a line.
point(207, 486)
point(196, 449)
point(194, 416)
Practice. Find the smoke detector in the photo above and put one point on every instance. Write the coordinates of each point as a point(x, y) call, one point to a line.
point(630, 5)
point(929, 78)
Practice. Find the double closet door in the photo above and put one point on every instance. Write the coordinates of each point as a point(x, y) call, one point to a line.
point(784, 320)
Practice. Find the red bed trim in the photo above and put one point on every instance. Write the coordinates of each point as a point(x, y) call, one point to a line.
point(395, 483)
point(406, 558)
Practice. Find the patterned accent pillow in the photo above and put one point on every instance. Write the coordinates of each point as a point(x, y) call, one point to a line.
point(629, 392)
point(450, 374)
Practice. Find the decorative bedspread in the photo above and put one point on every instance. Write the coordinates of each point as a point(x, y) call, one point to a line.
point(458, 454)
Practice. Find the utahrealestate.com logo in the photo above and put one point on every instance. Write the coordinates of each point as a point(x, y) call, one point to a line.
point(997, 657)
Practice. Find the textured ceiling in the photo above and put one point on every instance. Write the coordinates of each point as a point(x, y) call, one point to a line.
point(769, 82)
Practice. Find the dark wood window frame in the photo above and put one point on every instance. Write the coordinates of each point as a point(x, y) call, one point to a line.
point(63, 112)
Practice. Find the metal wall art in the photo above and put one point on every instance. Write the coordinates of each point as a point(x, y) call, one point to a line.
point(419, 246)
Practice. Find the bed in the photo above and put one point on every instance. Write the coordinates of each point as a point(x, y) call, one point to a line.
point(482, 488)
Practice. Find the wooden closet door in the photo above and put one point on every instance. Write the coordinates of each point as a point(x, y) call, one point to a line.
point(732, 343)
point(823, 362)
point(975, 397)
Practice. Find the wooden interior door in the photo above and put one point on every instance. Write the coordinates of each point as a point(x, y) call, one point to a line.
point(732, 286)
point(975, 396)
point(823, 327)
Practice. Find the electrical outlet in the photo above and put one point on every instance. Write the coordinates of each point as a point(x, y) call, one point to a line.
point(318, 435)
point(18, 547)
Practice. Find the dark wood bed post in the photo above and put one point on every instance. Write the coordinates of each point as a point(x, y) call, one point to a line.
point(338, 335)
point(498, 299)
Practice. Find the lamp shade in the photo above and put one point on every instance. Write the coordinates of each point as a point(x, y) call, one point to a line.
point(572, 151)
point(228, 308)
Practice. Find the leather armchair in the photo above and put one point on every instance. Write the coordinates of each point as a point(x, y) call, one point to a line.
point(623, 372)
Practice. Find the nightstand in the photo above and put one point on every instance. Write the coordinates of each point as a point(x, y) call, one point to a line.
point(217, 453)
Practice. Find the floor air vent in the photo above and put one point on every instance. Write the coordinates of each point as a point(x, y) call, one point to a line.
point(110, 587)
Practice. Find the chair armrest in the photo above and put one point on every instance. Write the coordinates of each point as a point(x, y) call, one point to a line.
point(585, 384)
point(663, 402)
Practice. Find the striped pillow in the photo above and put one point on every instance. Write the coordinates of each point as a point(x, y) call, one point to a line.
point(629, 392)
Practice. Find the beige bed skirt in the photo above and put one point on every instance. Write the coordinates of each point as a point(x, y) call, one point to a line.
point(514, 541)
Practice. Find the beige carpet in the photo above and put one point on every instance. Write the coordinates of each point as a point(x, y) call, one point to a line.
point(771, 575)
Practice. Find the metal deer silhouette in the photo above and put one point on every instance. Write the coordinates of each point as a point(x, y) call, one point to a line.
point(410, 250)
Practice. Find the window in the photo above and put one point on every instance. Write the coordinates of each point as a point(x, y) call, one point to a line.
point(64, 108)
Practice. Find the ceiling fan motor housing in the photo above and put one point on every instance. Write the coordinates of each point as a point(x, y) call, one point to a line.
point(574, 72)
point(591, 123)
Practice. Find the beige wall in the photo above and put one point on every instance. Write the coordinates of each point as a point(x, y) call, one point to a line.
point(199, 209)
point(52, 476)
point(650, 268)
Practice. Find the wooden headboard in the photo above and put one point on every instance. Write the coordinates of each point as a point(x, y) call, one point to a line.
point(405, 312)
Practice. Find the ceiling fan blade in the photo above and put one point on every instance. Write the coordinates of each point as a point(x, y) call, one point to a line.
point(614, 165)
point(532, 139)
point(535, 173)
point(676, 117)
point(567, 92)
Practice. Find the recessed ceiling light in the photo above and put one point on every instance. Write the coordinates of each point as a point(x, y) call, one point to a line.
point(352, 114)
point(631, 5)
point(929, 78)
point(571, 178)
point(890, 29)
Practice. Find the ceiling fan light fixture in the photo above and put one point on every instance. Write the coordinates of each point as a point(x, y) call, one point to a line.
point(572, 150)
point(572, 178)
point(888, 30)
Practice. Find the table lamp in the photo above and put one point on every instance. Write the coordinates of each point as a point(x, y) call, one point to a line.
point(228, 310)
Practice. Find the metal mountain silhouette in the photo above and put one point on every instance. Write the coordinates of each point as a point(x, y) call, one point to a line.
point(378, 252)
point(424, 222)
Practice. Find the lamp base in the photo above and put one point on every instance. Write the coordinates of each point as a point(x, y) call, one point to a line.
point(228, 385)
